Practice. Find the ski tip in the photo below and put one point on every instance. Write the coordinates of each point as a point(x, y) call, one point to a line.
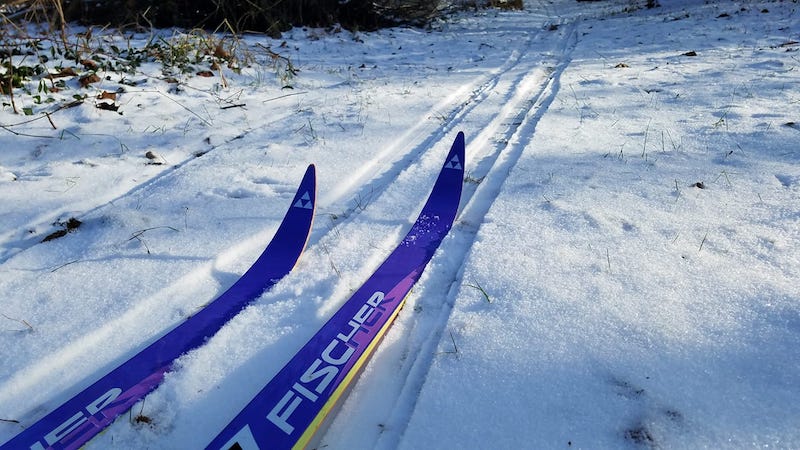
point(459, 139)
point(306, 196)
point(455, 159)
point(458, 145)
point(311, 171)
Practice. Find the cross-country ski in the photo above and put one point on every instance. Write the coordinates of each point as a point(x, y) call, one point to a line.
point(293, 405)
point(622, 273)
point(88, 412)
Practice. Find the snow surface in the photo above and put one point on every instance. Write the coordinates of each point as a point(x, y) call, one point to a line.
point(623, 273)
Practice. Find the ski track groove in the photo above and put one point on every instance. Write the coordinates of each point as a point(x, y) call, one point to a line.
point(375, 186)
point(45, 220)
point(426, 331)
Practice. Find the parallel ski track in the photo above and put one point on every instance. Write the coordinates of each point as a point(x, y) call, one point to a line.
point(44, 221)
point(506, 135)
point(459, 108)
point(525, 102)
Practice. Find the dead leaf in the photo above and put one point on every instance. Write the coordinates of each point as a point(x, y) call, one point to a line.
point(107, 106)
point(68, 227)
point(155, 158)
point(221, 53)
point(90, 64)
point(86, 80)
point(105, 95)
point(691, 53)
point(621, 66)
point(205, 73)
point(68, 72)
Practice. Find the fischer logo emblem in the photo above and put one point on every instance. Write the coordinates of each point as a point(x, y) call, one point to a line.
point(304, 202)
point(320, 373)
point(78, 419)
point(454, 163)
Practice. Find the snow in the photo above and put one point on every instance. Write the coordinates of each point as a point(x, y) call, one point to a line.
point(623, 272)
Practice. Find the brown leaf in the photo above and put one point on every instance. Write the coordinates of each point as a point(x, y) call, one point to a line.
point(90, 64)
point(621, 66)
point(105, 95)
point(68, 72)
point(86, 80)
point(205, 73)
point(221, 53)
point(691, 53)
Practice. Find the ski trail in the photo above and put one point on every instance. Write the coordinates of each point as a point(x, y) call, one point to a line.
point(11, 244)
point(203, 281)
point(119, 342)
point(432, 330)
point(78, 359)
point(370, 181)
point(528, 92)
point(300, 316)
point(102, 344)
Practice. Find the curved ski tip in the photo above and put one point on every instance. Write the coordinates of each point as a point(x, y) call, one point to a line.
point(306, 195)
point(459, 139)
point(310, 171)
point(310, 179)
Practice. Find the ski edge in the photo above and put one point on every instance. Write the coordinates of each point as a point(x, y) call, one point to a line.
point(315, 425)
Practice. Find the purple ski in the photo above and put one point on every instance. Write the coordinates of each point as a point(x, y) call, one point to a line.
point(293, 405)
point(75, 422)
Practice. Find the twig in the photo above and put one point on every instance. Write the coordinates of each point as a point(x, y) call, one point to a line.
point(455, 350)
point(11, 88)
point(65, 265)
point(703, 242)
point(22, 321)
point(50, 119)
point(284, 96)
point(186, 108)
point(138, 235)
point(17, 133)
point(45, 115)
point(327, 251)
point(455, 346)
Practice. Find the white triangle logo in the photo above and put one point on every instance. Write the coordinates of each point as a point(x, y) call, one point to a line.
point(304, 201)
point(454, 163)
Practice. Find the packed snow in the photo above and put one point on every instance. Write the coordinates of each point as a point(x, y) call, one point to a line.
point(624, 271)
